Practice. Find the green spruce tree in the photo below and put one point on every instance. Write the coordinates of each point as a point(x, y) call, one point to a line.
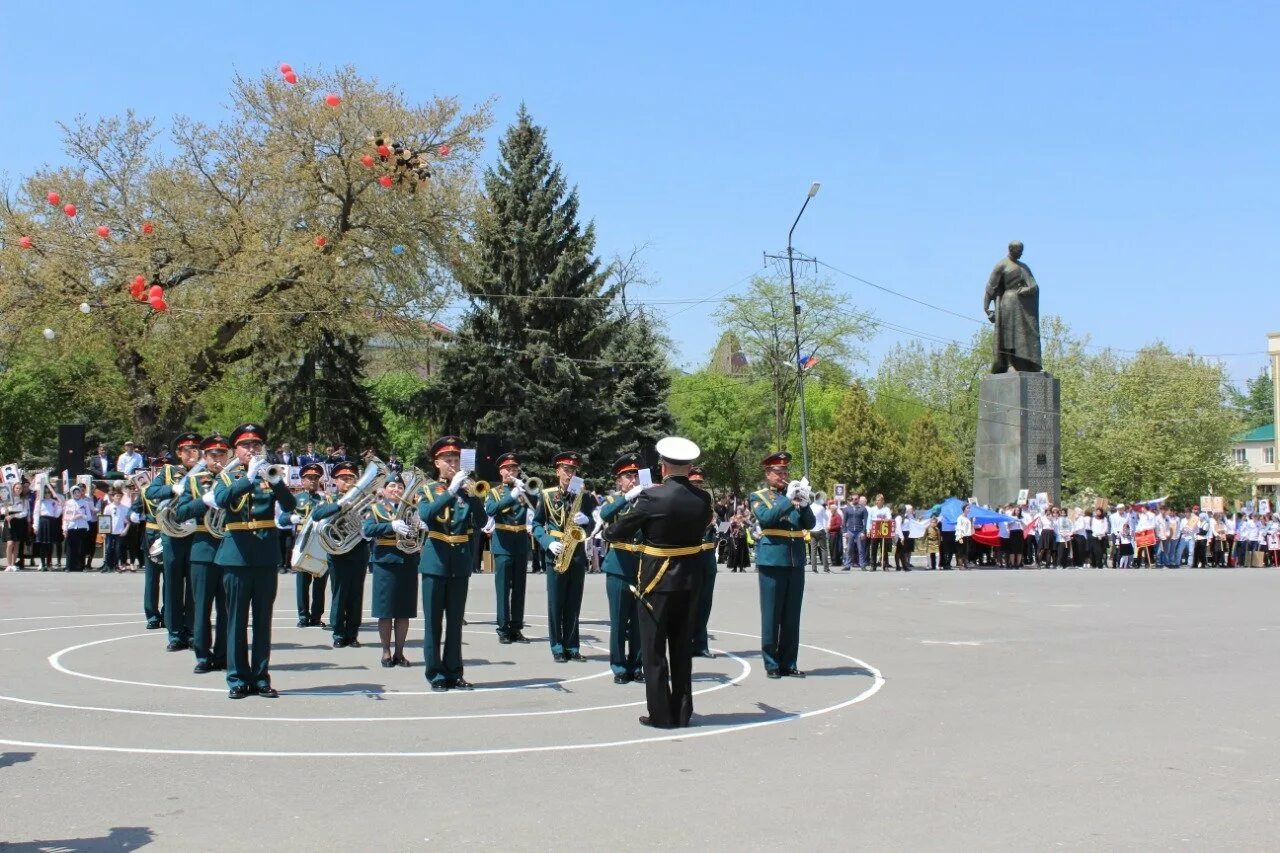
point(933, 471)
point(321, 395)
point(528, 361)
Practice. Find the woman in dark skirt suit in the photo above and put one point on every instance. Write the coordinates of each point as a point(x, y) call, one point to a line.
point(395, 572)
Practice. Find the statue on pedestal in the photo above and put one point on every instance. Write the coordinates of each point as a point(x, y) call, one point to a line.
point(1016, 314)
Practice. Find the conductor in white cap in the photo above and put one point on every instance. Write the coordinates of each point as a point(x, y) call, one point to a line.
point(671, 518)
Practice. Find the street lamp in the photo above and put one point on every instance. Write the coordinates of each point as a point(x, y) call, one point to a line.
point(795, 322)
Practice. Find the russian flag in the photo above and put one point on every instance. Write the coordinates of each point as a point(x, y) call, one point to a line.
point(808, 362)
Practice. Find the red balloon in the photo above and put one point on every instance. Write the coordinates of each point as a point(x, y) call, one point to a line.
point(147, 228)
point(104, 232)
point(135, 290)
point(384, 152)
point(321, 240)
point(291, 78)
point(444, 150)
point(332, 99)
point(286, 68)
point(24, 242)
point(157, 303)
point(367, 161)
point(140, 281)
point(54, 199)
point(385, 180)
point(69, 210)
point(156, 292)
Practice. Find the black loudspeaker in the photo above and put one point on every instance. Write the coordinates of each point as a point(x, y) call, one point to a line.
point(649, 457)
point(488, 449)
point(71, 452)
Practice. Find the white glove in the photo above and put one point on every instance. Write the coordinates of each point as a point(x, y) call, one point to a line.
point(556, 547)
point(517, 492)
point(633, 492)
point(207, 499)
point(457, 481)
point(490, 525)
point(595, 516)
point(135, 518)
point(255, 467)
point(581, 519)
point(402, 528)
point(190, 524)
point(793, 488)
point(295, 519)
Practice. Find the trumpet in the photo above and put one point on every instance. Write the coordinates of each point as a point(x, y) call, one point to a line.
point(531, 486)
point(272, 473)
point(476, 488)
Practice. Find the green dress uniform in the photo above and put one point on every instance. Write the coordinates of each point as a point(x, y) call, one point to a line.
point(780, 564)
point(346, 573)
point(308, 589)
point(510, 548)
point(395, 572)
point(208, 640)
point(621, 567)
point(706, 595)
point(153, 569)
point(179, 602)
point(445, 565)
point(564, 591)
point(249, 556)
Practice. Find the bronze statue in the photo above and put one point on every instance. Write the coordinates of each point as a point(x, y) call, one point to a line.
point(1016, 314)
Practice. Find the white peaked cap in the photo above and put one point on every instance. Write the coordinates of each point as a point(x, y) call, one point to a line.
point(680, 451)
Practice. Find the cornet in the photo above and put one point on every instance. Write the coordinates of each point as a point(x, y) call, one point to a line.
point(476, 488)
point(531, 486)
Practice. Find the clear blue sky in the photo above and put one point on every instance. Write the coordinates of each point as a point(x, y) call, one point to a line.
point(1132, 147)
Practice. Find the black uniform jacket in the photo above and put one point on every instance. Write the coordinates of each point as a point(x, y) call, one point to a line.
point(672, 518)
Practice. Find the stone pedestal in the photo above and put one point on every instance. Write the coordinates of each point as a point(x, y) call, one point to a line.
point(1018, 442)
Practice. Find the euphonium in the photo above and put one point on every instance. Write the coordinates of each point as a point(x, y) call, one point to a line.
point(165, 518)
point(216, 518)
point(574, 535)
point(339, 533)
point(408, 510)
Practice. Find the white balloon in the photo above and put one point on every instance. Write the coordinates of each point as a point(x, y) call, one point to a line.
point(49, 334)
point(84, 308)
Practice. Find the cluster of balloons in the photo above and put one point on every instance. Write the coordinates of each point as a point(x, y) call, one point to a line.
point(406, 165)
point(154, 295)
point(286, 71)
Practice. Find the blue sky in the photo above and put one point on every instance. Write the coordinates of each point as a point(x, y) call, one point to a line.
point(1132, 147)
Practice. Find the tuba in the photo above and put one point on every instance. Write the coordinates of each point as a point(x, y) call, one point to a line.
point(407, 512)
point(216, 519)
point(165, 518)
point(574, 535)
point(339, 533)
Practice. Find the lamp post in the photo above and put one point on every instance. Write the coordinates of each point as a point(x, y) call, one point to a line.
point(795, 323)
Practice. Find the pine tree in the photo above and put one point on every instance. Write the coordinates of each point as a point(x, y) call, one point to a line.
point(933, 471)
point(637, 385)
point(526, 363)
point(325, 397)
point(860, 451)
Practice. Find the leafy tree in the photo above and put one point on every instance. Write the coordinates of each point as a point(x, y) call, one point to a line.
point(933, 470)
point(761, 318)
point(527, 362)
point(727, 418)
point(396, 396)
point(261, 231)
point(1254, 406)
point(859, 450)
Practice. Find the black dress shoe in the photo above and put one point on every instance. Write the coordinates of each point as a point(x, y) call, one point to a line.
point(439, 686)
point(238, 692)
point(339, 644)
point(401, 660)
point(355, 644)
point(559, 657)
point(645, 721)
point(793, 673)
point(705, 653)
point(519, 637)
point(461, 684)
point(266, 691)
point(304, 622)
point(175, 646)
point(504, 639)
point(153, 624)
point(576, 656)
point(319, 623)
point(218, 666)
point(772, 673)
point(638, 678)
point(201, 668)
point(621, 679)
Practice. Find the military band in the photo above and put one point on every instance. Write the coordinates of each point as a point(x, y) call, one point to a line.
point(220, 566)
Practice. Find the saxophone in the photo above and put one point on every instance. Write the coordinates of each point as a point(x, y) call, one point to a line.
point(574, 535)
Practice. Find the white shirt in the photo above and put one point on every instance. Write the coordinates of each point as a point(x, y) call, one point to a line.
point(119, 515)
point(129, 462)
point(820, 518)
point(18, 508)
point(1099, 527)
point(74, 515)
point(1080, 524)
point(964, 527)
point(879, 512)
point(1147, 521)
point(50, 508)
